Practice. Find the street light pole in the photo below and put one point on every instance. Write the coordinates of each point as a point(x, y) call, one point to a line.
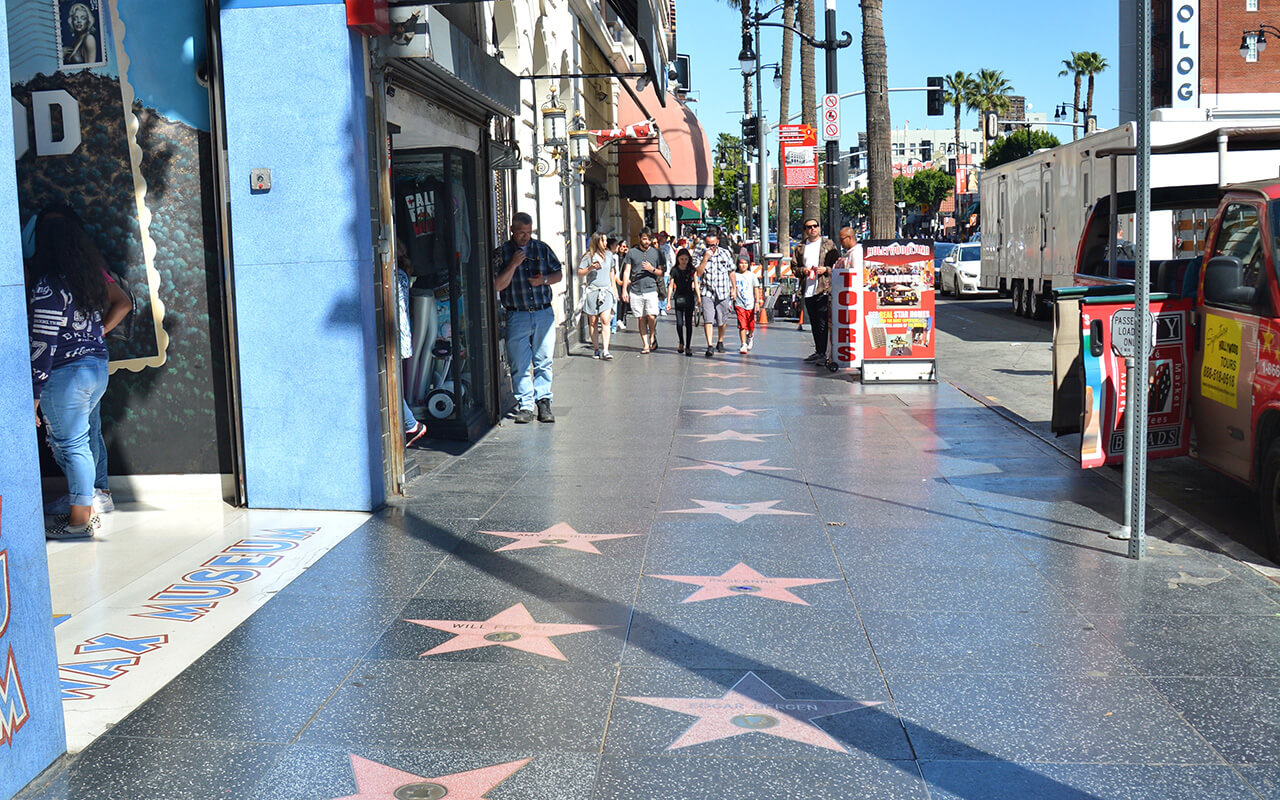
point(833, 145)
point(762, 177)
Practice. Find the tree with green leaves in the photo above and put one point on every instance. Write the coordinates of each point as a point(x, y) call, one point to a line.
point(1091, 64)
point(958, 90)
point(855, 204)
point(784, 110)
point(1019, 144)
point(1074, 67)
point(724, 202)
point(991, 94)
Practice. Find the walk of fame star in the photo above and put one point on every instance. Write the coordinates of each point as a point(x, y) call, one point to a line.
point(514, 628)
point(558, 535)
point(727, 375)
point(727, 392)
point(730, 436)
point(728, 411)
point(738, 511)
point(752, 706)
point(376, 781)
point(735, 468)
point(743, 580)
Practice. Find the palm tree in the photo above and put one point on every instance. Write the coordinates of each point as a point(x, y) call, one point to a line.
point(1074, 67)
point(784, 108)
point(1091, 64)
point(875, 76)
point(809, 98)
point(957, 90)
point(991, 94)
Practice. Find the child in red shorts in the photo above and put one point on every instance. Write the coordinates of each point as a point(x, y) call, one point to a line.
point(746, 297)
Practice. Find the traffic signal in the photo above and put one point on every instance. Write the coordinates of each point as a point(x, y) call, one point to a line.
point(934, 102)
point(855, 159)
point(751, 133)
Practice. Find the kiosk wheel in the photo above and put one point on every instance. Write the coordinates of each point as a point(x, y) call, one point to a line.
point(441, 404)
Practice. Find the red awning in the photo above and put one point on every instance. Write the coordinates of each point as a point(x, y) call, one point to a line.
point(643, 174)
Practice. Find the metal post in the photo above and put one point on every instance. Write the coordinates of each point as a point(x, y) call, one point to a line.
point(762, 175)
point(1115, 225)
point(1136, 393)
point(833, 145)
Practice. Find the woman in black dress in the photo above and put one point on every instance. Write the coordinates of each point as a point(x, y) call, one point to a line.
point(684, 298)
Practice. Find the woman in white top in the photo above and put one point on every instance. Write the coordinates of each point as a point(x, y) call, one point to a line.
point(598, 300)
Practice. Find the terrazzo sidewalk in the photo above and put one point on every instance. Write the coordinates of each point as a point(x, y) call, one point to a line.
point(737, 577)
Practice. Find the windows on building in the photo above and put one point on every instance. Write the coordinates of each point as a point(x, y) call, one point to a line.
point(1250, 5)
point(1251, 42)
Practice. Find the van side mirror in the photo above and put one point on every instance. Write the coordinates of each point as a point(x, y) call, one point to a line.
point(1224, 282)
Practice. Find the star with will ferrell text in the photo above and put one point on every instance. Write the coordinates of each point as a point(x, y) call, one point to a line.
point(376, 781)
point(741, 580)
point(753, 706)
point(735, 468)
point(738, 512)
point(558, 535)
point(730, 436)
point(514, 627)
point(728, 411)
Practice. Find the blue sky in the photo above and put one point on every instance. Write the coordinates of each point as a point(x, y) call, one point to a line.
point(1025, 39)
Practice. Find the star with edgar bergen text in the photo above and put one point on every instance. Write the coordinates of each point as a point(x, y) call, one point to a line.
point(730, 436)
point(741, 580)
point(738, 511)
point(558, 535)
point(515, 628)
point(752, 706)
point(735, 468)
point(376, 781)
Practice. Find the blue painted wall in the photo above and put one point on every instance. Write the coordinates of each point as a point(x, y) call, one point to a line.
point(29, 631)
point(303, 256)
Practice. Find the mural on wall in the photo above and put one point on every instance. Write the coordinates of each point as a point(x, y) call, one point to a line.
point(111, 116)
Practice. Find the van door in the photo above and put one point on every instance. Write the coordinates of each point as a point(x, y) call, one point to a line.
point(1235, 293)
point(1046, 228)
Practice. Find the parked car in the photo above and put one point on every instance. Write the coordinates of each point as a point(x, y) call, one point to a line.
point(940, 251)
point(959, 272)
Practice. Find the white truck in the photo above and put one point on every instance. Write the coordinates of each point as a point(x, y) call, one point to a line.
point(1034, 209)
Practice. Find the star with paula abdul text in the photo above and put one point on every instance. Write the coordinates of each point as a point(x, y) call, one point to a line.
point(559, 535)
point(376, 781)
point(752, 706)
point(514, 627)
point(740, 580)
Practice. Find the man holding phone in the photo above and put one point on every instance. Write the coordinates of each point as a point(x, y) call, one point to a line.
point(715, 275)
point(524, 270)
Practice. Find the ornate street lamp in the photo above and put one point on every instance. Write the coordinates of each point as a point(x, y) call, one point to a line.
point(554, 123)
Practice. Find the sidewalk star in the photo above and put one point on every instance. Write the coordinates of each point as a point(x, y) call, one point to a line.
point(376, 781)
point(741, 580)
point(727, 375)
point(515, 628)
point(752, 706)
point(727, 392)
point(735, 468)
point(729, 436)
point(558, 535)
point(728, 411)
point(738, 512)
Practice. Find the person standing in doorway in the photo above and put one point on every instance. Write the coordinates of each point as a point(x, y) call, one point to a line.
point(746, 291)
point(715, 279)
point(642, 268)
point(811, 262)
point(597, 298)
point(524, 270)
point(684, 299)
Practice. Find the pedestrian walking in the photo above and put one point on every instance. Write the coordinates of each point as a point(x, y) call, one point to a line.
point(73, 302)
point(623, 306)
point(525, 269)
point(746, 291)
point(642, 268)
point(413, 428)
point(715, 283)
point(669, 258)
point(811, 262)
point(597, 298)
point(615, 285)
point(684, 298)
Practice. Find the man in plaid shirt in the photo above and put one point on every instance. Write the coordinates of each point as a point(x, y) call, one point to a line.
point(524, 271)
point(715, 275)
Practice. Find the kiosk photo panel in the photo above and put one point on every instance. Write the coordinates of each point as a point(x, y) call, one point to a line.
point(898, 310)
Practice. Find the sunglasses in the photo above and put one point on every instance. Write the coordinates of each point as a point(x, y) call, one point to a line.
point(811, 226)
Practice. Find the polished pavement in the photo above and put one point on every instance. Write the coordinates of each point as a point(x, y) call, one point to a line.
point(739, 577)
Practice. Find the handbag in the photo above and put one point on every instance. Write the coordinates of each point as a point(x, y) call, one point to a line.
point(662, 287)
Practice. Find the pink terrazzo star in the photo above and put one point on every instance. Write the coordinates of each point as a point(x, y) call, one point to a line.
point(514, 628)
point(728, 392)
point(376, 781)
point(728, 375)
point(735, 468)
point(738, 511)
point(730, 436)
point(728, 411)
point(742, 580)
point(559, 535)
point(752, 706)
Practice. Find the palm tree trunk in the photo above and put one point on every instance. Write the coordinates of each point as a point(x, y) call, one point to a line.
point(1075, 110)
point(809, 100)
point(875, 70)
point(1089, 103)
point(784, 110)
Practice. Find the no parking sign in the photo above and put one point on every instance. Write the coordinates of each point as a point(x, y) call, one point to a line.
point(830, 117)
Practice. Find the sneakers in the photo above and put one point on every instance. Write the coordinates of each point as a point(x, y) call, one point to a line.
point(606, 356)
point(544, 411)
point(523, 416)
point(414, 434)
point(720, 346)
point(596, 354)
point(743, 349)
point(61, 529)
point(102, 504)
point(710, 351)
point(751, 340)
point(813, 357)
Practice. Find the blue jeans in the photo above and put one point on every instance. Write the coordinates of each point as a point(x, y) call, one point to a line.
point(71, 402)
point(531, 342)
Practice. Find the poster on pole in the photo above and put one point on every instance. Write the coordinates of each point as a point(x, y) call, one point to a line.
point(898, 311)
point(847, 340)
point(799, 156)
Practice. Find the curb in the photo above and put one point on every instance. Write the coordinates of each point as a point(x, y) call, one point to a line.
point(1206, 533)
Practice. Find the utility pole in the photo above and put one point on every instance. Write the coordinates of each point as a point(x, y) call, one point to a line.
point(762, 175)
point(833, 145)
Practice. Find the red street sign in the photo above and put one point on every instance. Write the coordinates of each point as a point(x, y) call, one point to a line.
point(802, 135)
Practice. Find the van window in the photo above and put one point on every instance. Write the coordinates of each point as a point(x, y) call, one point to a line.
point(1241, 283)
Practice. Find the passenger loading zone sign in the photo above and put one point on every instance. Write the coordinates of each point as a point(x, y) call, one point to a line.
point(799, 156)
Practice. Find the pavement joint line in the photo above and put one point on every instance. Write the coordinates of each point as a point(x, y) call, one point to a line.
point(1215, 539)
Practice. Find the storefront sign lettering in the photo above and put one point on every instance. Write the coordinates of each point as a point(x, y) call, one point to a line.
point(13, 703)
point(1220, 372)
point(1186, 54)
point(40, 118)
